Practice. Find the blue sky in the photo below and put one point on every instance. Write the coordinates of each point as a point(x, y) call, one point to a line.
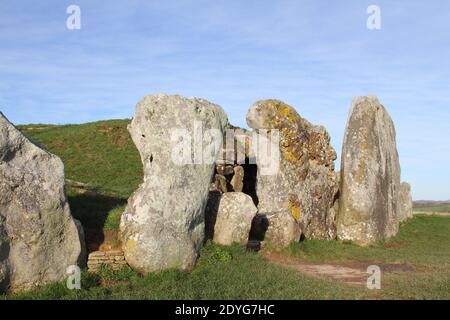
point(314, 55)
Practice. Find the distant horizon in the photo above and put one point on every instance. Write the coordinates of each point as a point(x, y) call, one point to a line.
point(315, 56)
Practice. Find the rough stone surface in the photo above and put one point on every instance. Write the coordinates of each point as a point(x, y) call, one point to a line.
point(114, 259)
point(83, 250)
point(225, 170)
point(221, 183)
point(405, 202)
point(283, 229)
point(38, 236)
point(305, 187)
point(4, 251)
point(237, 182)
point(163, 224)
point(234, 218)
point(370, 175)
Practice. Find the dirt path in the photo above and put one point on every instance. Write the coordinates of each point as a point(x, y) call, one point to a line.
point(351, 273)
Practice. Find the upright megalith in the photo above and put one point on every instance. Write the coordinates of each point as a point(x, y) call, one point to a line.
point(38, 236)
point(370, 175)
point(234, 218)
point(405, 199)
point(299, 196)
point(4, 252)
point(179, 140)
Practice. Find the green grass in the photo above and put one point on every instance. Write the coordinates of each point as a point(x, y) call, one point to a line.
point(96, 212)
point(232, 273)
point(241, 275)
point(102, 155)
point(113, 218)
point(423, 241)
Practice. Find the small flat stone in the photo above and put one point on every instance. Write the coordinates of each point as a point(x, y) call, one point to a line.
point(96, 254)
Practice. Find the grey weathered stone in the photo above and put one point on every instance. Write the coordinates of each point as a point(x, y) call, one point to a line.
point(163, 224)
point(237, 182)
point(221, 183)
point(4, 252)
point(370, 175)
point(283, 229)
point(305, 187)
point(405, 202)
point(39, 236)
point(83, 250)
point(234, 218)
point(225, 170)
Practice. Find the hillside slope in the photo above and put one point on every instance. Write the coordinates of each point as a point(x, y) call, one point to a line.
point(100, 154)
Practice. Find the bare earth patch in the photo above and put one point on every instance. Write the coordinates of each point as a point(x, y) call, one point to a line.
point(352, 273)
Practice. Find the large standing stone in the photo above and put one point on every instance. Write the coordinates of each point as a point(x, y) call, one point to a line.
point(405, 199)
point(370, 175)
point(163, 224)
point(4, 252)
point(283, 228)
point(234, 218)
point(38, 236)
point(298, 198)
point(237, 182)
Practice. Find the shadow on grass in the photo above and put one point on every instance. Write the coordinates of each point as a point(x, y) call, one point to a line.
point(94, 212)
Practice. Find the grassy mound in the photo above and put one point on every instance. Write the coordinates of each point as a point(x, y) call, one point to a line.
point(98, 154)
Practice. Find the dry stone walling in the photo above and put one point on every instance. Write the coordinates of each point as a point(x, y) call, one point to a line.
point(299, 198)
point(231, 207)
point(163, 224)
point(39, 238)
point(371, 195)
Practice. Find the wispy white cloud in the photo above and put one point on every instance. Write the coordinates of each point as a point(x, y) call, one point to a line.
point(315, 55)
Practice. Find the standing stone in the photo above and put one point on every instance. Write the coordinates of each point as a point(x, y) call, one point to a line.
point(83, 250)
point(225, 170)
point(370, 175)
point(163, 224)
point(38, 236)
point(321, 187)
point(234, 218)
point(283, 228)
point(237, 182)
point(405, 199)
point(298, 198)
point(4, 250)
point(221, 183)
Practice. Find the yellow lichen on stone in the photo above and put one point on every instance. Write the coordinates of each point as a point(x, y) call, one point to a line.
point(295, 212)
point(285, 112)
point(292, 157)
point(130, 244)
point(294, 205)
